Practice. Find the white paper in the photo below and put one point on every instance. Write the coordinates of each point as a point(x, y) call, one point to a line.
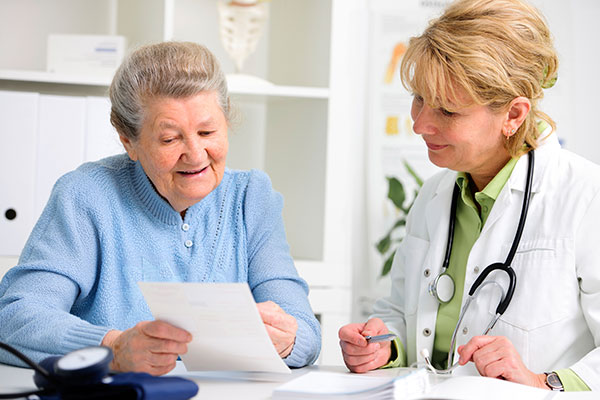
point(418, 385)
point(228, 333)
point(326, 385)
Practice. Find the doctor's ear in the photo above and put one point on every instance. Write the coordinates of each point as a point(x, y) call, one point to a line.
point(517, 112)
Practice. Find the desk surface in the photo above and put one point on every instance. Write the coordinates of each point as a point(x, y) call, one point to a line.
point(222, 385)
point(212, 385)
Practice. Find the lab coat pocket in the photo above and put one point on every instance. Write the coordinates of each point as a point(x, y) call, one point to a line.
point(546, 284)
point(413, 252)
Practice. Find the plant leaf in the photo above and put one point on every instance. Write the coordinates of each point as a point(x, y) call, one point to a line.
point(399, 223)
point(413, 173)
point(387, 266)
point(384, 244)
point(396, 191)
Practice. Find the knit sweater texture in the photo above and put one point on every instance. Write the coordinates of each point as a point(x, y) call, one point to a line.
point(105, 228)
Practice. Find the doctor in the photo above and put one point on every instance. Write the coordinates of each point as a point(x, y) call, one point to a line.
point(477, 74)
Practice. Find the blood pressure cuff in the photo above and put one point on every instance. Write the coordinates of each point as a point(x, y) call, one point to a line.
point(129, 386)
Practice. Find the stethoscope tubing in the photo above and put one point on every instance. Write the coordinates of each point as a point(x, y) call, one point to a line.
point(506, 266)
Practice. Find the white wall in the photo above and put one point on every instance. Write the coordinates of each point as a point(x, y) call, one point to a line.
point(574, 101)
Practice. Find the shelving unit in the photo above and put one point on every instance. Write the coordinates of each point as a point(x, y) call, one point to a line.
point(299, 116)
point(236, 85)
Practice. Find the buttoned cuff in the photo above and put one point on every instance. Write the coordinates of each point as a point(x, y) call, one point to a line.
point(571, 381)
point(398, 356)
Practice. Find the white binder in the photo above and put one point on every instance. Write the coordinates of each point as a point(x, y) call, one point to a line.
point(60, 142)
point(102, 139)
point(18, 126)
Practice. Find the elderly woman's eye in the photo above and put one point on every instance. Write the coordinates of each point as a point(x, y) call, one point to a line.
point(205, 133)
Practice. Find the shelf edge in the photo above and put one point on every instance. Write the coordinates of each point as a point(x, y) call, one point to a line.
point(73, 79)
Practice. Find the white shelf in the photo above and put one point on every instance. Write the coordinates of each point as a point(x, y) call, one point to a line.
point(237, 84)
point(51, 77)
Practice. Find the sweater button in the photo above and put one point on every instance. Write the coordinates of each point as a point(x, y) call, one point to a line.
point(188, 243)
point(185, 227)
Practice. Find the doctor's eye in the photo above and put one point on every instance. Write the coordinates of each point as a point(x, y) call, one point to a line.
point(447, 113)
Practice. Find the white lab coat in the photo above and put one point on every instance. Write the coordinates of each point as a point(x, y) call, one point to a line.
point(554, 317)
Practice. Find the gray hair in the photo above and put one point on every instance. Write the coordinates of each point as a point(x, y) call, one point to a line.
point(168, 69)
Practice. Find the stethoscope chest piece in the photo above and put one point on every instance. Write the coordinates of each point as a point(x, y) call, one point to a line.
point(442, 288)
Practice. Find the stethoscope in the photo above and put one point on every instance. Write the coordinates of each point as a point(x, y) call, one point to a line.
point(442, 287)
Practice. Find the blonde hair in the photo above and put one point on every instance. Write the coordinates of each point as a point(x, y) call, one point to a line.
point(168, 69)
point(495, 50)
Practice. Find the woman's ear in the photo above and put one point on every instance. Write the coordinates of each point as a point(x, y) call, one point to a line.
point(129, 147)
point(518, 110)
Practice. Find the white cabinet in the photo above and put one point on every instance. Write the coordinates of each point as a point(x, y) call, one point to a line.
point(304, 127)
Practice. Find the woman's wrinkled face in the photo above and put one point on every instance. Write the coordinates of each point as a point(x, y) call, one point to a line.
point(469, 139)
point(182, 147)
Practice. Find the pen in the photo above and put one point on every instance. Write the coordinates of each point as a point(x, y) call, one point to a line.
point(380, 338)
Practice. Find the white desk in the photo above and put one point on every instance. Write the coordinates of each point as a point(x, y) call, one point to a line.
point(212, 385)
point(225, 386)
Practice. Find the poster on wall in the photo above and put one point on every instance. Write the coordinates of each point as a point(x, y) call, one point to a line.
point(391, 141)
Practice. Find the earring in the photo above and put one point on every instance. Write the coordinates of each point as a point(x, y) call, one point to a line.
point(509, 133)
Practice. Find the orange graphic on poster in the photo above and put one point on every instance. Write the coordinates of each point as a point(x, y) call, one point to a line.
point(391, 125)
point(399, 50)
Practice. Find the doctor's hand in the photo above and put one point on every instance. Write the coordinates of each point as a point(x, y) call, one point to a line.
point(280, 325)
point(359, 355)
point(150, 346)
point(496, 357)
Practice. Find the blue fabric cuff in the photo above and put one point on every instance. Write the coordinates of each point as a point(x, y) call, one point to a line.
point(302, 352)
point(83, 334)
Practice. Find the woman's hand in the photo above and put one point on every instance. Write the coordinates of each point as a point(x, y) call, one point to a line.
point(150, 346)
point(359, 355)
point(280, 325)
point(496, 357)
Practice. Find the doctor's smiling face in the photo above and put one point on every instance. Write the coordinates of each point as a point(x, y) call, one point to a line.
point(468, 138)
point(182, 147)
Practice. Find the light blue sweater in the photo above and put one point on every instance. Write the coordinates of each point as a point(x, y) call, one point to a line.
point(105, 228)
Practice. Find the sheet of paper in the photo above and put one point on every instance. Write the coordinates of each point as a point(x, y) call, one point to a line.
point(222, 317)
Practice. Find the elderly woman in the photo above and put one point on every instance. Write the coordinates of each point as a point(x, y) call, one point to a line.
point(510, 199)
point(168, 210)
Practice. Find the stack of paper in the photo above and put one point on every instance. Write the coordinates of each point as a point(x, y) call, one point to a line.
point(418, 385)
point(328, 385)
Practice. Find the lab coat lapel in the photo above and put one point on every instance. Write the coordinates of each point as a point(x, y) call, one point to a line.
point(437, 219)
point(438, 215)
point(518, 179)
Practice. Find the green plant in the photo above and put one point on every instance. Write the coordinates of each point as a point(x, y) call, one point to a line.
point(388, 245)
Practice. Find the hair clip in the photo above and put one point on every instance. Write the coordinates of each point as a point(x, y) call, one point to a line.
point(547, 84)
